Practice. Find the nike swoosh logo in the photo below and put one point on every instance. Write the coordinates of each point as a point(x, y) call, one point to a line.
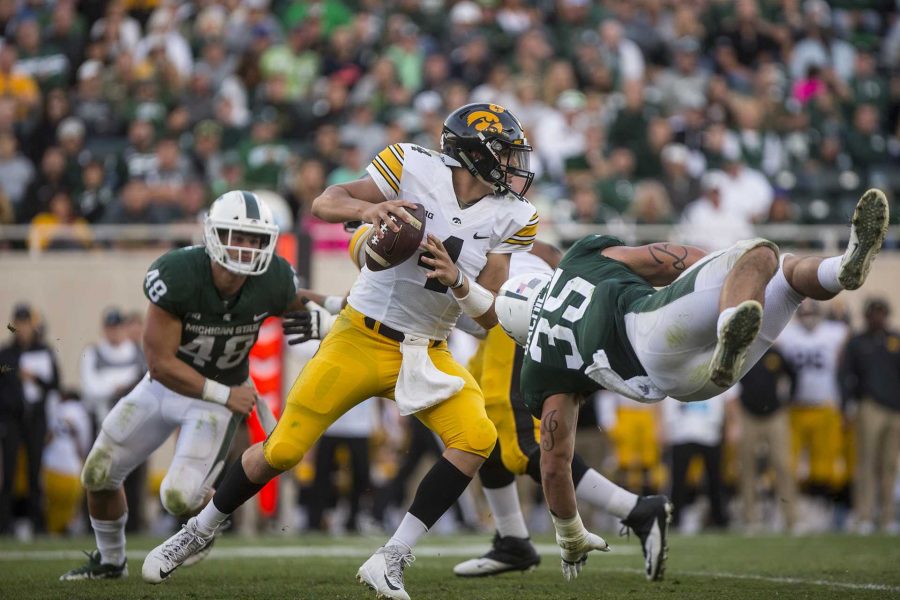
point(480, 237)
point(164, 574)
point(389, 584)
point(258, 317)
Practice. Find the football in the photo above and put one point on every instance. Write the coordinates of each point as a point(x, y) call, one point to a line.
point(386, 248)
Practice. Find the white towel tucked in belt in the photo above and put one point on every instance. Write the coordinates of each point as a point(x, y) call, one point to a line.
point(421, 384)
point(638, 388)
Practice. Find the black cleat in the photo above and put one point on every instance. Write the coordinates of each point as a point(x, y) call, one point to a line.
point(649, 520)
point(94, 569)
point(506, 554)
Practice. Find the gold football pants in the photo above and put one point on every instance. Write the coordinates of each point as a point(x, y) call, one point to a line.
point(355, 362)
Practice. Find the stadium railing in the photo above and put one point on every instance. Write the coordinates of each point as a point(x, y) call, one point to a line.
point(827, 238)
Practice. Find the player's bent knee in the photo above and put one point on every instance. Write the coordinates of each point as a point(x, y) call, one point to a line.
point(480, 438)
point(182, 492)
point(282, 455)
point(95, 476)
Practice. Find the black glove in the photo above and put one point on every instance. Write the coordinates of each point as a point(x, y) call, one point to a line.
point(303, 326)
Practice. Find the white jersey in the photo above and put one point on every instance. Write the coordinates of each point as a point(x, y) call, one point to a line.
point(402, 297)
point(814, 354)
point(70, 437)
point(526, 262)
point(695, 422)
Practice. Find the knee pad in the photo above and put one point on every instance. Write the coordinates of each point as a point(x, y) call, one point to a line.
point(480, 438)
point(282, 454)
point(185, 488)
point(95, 475)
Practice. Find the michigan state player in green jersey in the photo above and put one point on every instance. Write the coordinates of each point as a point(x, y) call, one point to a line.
point(206, 305)
point(600, 321)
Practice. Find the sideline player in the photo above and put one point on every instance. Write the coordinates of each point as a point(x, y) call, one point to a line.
point(390, 339)
point(206, 307)
point(600, 322)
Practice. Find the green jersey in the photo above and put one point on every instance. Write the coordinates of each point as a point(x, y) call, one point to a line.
point(582, 311)
point(217, 333)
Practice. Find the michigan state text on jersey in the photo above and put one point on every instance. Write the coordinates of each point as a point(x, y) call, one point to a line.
point(206, 305)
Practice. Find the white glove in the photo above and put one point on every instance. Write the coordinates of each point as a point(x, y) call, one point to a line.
point(575, 542)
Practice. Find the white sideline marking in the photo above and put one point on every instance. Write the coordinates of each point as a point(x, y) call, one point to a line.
point(468, 550)
point(771, 579)
point(462, 551)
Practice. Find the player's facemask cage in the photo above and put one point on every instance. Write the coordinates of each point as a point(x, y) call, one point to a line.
point(227, 217)
point(491, 144)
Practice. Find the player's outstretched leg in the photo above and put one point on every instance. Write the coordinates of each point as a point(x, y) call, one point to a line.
point(737, 330)
point(649, 520)
point(867, 230)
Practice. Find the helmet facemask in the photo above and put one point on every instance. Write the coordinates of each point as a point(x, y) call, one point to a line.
point(503, 166)
point(239, 259)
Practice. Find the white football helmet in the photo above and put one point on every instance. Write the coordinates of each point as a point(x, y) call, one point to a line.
point(515, 302)
point(244, 212)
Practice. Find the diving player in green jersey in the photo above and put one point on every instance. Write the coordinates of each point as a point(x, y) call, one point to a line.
point(206, 305)
point(601, 322)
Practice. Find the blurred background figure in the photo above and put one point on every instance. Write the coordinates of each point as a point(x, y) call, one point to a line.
point(70, 433)
point(765, 437)
point(873, 376)
point(344, 447)
point(29, 359)
point(694, 433)
point(813, 346)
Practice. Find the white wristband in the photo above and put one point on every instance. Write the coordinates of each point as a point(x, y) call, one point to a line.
point(568, 528)
point(213, 391)
point(477, 302)
point(333, 304)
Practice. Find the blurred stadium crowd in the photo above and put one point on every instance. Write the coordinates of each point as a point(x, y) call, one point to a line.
point(807, 442)
point(647, 111)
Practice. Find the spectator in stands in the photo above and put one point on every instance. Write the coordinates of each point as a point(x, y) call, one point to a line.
point(560, 134)
point(70, 434)
point(70, 135)
point(264, 154)
point(682, 187)
point(872, 363)
point(684, 84)
point(96, 194)
point(763, 423)
point(18, 84)
point(33, 362)
point(134, 206)
point(43, 61)
point(136, 159)
point(49, 181)
point(866, 143)
point(624, 56)
point(167, 177)
point(650, 205)
point(60, 227)
point(706, 222)
point(96, 111)
point(16, 171)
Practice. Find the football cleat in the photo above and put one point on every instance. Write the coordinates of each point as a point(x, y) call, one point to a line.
point(94, 569)
point(738, 332)
point(383, 572)
point(867, 230)
point(649, 520)
point(171, 554)
point(506, 554)
point(193, 559)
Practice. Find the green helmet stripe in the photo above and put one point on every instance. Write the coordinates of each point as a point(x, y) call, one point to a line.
point(251, 205)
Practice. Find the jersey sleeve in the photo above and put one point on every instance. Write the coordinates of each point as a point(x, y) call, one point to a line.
point(386, 169)
point(519, 232)
point(167, 283)
point(285, 288)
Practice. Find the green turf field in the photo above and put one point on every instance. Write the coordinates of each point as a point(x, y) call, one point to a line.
point(709, 566)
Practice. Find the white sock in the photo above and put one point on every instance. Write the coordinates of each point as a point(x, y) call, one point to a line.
point(408, 533)
point(110, 536)
point(599, 491)
point(209, 519)
point(723, 316)
point(507, 511)
point(828, 274)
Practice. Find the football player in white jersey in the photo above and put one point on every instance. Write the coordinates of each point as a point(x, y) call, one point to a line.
point(390, 339)
point(813, 346)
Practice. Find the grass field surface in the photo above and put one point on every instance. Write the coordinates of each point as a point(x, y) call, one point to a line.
point(314, 567)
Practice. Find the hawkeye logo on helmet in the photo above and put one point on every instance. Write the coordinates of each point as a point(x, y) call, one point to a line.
point(483, 120)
